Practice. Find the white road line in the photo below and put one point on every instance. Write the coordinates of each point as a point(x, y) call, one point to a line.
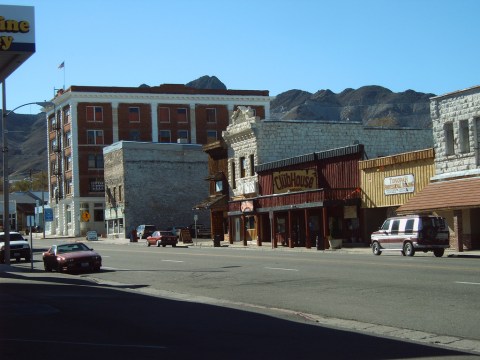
point(466, 283)
point(284, 269)
point(83, 343)
point(174, 261)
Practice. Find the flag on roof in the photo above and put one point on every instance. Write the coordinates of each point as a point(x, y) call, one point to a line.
point(62, 65)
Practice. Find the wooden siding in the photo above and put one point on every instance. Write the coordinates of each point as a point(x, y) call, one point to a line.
point(373, 172)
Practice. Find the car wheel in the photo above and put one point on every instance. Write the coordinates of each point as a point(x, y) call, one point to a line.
point(376, 248)
point(158, 243)
point(174, 245)
point(408, 249)
point(27, 259)
point(164, 245)
point(147, 243)
point(438, 252)
point(47, 267)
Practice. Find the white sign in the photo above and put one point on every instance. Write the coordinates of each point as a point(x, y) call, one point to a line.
point(92, 235)
point(399, 184)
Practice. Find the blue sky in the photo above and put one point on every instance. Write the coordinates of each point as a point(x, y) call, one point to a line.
point(429, 46)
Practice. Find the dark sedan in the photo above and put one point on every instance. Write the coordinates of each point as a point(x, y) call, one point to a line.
point(162, 238)
point(72, 257)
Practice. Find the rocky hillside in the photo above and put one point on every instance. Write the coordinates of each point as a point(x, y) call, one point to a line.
point(371, 105)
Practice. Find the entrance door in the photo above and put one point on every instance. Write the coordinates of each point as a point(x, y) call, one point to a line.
point(237, 229)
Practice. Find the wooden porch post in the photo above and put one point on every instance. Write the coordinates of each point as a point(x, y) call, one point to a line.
point(325, 227)
point(308, 243)
point(458, 229)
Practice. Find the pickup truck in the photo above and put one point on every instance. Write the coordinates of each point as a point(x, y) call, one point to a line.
point(202, 231)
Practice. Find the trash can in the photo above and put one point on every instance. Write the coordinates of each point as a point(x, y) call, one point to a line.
point(216, 240)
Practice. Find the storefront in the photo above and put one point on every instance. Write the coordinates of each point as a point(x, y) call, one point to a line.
point(305, 201)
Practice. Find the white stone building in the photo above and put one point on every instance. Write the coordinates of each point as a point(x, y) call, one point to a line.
point(454, 191)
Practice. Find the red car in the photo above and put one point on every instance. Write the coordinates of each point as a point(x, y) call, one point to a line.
point(163, 238)
point(71, 257)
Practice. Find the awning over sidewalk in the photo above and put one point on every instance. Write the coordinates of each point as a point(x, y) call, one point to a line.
point(445, 195)
point(214, 201)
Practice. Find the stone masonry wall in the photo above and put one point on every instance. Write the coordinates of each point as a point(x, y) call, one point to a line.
point(452, 109)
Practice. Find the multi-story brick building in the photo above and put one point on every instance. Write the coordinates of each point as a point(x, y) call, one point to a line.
point(88, 118)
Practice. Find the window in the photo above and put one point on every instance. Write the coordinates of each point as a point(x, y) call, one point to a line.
point(182, 115)
point(134, 114)
point(183, 134)
point(395, 226)
point(68, 163)
point(218, 186)
point(211, 136)
point(233, 180)
point(409, 226)
point(242, 167)
point(211, 115)
point(54, 145)
point(163, 114)
point(134, 135)
point(449, 141)
point(95, 161)
point(164, 136)
point(95, 113)
point(98, 215)
point(252, 165)
point(95, 137)
point(66, 115)
point(96, 185)
point(68, 139)
point(463, 136)
point(69, 187)
point(53, 122)
point(119, 192)
point(69, 214)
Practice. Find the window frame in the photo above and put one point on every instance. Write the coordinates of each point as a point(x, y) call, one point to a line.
point(160, 137)
point(95, 137)
point(94, 109)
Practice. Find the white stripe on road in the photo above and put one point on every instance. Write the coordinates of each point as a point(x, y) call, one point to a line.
point(466, 283)
point(174, 261)
point(284, 269)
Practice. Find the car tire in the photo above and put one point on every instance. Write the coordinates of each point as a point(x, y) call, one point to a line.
point(438, 252)
point(376, 248)
point(147, 243)
point(27, 259)
point(164, 245)
point(408, 249)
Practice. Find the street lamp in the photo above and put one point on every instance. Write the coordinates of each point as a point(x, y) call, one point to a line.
point(6, 210)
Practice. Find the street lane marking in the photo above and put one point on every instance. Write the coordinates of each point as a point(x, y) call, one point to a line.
point(283, 269)
point(467, 283)
point(84, 343)
point(174, 261)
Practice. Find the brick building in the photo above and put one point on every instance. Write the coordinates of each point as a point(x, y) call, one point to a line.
point(85, 119)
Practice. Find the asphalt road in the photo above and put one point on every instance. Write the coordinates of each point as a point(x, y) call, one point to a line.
point(232, 303)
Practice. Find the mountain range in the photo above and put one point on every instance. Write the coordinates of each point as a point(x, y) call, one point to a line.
point(371, 105)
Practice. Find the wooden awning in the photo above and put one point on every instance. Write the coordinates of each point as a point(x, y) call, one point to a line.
point(444, 195)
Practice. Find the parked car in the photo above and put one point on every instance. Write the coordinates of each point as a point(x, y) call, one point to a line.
point(71, 257)
point(144, 231)
point(163, 238)
point(202, 231)
point(411, 233)
point(19, 247)
point(175, 230)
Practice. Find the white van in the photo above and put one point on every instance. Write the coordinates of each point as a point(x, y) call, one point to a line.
point(411, 233)
point(19, 247)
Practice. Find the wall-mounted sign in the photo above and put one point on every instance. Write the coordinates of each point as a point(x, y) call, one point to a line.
point(294, 180)
point(399, 184)
point(246, 206)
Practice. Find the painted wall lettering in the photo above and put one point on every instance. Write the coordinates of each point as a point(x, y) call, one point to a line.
point(294, 180)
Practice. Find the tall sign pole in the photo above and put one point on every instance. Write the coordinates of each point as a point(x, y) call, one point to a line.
point(6, 210)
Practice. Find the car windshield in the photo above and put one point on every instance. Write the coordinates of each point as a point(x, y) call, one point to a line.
point(61, 249)
point(13, 237)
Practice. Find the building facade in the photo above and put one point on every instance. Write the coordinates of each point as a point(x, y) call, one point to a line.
point(86, 119)
point(454, 190)
point(152, 183)
point(252, 143)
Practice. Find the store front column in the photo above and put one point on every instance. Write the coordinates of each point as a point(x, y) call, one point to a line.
point(308, 242)
point(458, 229)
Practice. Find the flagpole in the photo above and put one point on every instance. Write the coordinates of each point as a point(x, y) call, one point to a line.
point(64, 76)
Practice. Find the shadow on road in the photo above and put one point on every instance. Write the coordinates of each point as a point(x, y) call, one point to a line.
point(70, 317)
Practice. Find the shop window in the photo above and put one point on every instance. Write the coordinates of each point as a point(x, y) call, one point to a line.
point(183, 134)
